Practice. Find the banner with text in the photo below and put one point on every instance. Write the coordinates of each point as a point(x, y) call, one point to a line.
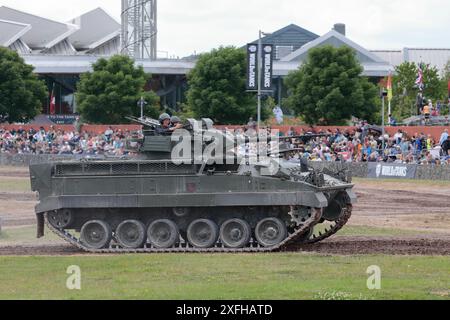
point(267, 64)
point(252, 67)
point(391, 171)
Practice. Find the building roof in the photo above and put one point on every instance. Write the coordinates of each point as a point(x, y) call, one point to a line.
point(44, 33)
point(335, 39)
point(435, 57)
point(20, 47)
point(12, 31)
point(96, 28)
point(64, 64)
point(393, 57)
point(290, 36)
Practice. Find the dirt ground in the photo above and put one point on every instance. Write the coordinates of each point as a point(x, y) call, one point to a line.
point(421, 208)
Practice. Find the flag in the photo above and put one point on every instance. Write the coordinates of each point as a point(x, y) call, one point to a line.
point(53, 101)
point(419, 80)
point(389, 87)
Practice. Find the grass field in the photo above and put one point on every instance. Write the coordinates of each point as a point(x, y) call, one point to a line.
point(26, 235)
point(259, 276)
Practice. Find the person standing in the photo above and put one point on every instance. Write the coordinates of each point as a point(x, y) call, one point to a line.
point(444, 137)
point(278, 114)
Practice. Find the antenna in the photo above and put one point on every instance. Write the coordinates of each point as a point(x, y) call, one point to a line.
point(139, 29)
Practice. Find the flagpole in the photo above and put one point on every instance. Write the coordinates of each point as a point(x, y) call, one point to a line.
point(389, 111)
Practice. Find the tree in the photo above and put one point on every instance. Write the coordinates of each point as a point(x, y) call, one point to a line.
point(111, 92)
point(447, 72)
point(328, 88)
point(22, 94)
point(217, 87)
point(405, 89)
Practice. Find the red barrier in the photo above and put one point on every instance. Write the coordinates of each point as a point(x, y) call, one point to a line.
point(94, 129)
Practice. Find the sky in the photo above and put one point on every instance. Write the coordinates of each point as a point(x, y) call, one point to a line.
point(188, 26)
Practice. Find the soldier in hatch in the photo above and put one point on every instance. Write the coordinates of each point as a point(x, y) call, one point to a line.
point(166, 128)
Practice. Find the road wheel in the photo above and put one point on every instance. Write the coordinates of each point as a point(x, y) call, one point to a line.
point(130, 234)
point(203, 233)
point(96, 234)
point(270, 232)
point(163, 234)
point(235, 233)
point(60, 219)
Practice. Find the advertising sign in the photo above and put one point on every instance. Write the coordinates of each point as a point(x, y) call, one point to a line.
point(391, 171)
point(252, 65)
point(267, 64)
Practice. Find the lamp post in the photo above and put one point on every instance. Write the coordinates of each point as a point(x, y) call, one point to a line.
point(142, 103)
point(384, 94)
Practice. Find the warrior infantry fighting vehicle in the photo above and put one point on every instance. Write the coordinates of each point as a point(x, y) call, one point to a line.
point(155, 204)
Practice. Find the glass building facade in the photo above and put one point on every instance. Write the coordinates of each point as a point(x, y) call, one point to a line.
point(64, 86)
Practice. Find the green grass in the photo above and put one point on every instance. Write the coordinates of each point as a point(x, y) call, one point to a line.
point(258, 276)
point(14, 184)
point(25, 235)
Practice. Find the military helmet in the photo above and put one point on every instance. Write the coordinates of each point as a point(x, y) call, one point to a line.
point(175, 119)
point(163, 117)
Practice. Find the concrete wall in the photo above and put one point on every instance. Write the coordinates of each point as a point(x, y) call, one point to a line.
point(424, 172)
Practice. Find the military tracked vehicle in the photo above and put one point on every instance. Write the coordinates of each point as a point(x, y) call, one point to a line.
point(152, 203)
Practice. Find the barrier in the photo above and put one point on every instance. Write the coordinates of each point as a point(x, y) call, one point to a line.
point(361, 170)
point(358, 169)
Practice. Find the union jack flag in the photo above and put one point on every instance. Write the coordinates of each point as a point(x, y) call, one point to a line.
point(419, 80)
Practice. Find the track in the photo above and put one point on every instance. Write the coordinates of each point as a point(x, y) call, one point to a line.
point(184, 247)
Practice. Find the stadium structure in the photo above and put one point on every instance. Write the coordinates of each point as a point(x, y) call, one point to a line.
point(61, 51)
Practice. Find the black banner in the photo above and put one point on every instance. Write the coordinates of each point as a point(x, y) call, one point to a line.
point(267, 65)
point(63, 118)
point(391, 171)
point(252, 67)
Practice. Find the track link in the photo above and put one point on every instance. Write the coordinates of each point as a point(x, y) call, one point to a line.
point(293, 238)
point(338, 225)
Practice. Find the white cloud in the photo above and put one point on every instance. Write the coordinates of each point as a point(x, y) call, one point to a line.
point(186, 26)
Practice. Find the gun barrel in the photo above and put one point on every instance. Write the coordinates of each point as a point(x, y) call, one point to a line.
point(148, 122)
point(304, 138)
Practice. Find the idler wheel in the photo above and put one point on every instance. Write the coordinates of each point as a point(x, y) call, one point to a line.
point(163, 234)
point(96, 234)
point(60, 219)
point(270, 232)
point(130, 234)
point(203, 233)
point(235, 233)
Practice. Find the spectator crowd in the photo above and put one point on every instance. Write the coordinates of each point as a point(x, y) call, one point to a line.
point(361, 144)
point(59, 142)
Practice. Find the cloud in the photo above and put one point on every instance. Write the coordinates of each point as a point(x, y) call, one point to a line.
point(186, 26)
